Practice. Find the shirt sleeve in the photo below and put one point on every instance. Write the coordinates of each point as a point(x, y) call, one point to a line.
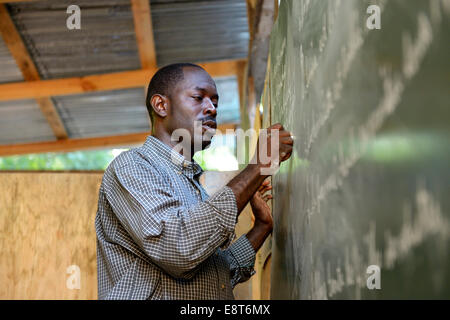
point(241, 257)
point(176, 238)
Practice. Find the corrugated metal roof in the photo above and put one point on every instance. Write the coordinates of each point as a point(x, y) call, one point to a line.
point(194, 31)
point(184, 31)
point(9, 70)
point(105, 43)
point(104, 113)
point(21, 121)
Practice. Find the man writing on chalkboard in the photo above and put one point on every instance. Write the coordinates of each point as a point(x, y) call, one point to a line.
point(159, 234)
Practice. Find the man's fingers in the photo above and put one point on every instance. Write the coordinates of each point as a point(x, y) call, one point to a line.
point(286, 156)
point(263, 189)
point(266, 189)
point(287, 140)
point(265, 183)
point(284, 133)
point(276, 126)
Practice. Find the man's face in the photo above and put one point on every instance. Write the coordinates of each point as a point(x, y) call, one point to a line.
point(193, 101)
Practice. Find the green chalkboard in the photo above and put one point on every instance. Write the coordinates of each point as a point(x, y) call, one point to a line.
point(369, 180)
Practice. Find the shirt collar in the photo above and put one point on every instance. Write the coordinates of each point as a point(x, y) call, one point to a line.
point(160, 150)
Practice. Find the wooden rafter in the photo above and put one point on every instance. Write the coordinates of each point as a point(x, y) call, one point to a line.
point(85, 143)
point(144, 33)
point(29, 71)
point(16, 46)
point(111, 81)
point(73, 144)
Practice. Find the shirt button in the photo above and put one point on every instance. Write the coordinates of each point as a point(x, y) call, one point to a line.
point(198, 192)
point(185, 164)
point(179, 172)
point(223, 286)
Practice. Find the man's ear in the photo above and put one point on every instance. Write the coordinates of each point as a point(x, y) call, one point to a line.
point(160, 104)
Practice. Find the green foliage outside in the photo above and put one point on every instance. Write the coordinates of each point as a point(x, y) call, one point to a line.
point(79, 160)
point(214, 159)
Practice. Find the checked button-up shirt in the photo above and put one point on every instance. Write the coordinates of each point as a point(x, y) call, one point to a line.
point(161, 236)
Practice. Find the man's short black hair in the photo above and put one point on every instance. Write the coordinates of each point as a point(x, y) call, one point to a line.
point(164, 80)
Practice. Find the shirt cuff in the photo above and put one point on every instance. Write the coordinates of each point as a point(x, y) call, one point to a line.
point(243, 253)
point(224, 203)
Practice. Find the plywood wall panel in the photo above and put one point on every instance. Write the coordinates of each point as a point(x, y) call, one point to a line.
point(47, 225)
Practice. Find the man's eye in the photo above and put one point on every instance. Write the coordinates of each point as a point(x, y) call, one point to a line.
point(198, 98)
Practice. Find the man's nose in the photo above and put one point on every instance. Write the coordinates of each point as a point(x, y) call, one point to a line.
point(209, 108)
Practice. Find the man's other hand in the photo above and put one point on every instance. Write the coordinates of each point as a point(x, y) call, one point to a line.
point(260, 208)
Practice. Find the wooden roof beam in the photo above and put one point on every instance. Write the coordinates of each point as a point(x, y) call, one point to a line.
point(73, 144)
point(144, 33)
point(15, 44)
point(103, 82)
